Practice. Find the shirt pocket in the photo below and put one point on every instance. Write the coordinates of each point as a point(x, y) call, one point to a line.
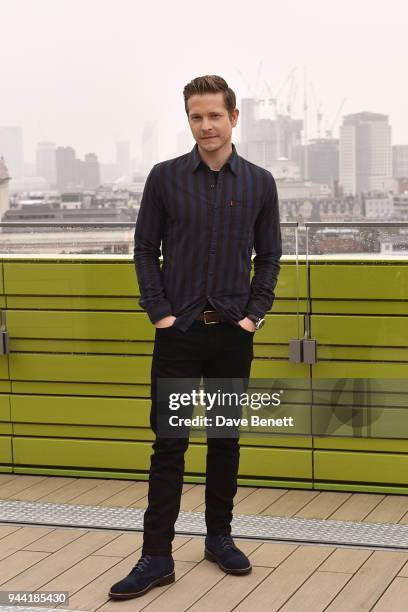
point(239, 218)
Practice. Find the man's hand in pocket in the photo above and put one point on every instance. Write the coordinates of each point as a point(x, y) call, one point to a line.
point(247, 324)
point(165, 322)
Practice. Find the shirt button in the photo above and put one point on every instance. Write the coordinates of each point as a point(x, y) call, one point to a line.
point(212, 186)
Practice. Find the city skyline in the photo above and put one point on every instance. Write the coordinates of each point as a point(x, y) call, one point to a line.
point(91, 74)
point(180, 137)
point(362, 160)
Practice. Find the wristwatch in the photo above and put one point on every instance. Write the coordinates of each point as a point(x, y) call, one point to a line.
point(259, 321)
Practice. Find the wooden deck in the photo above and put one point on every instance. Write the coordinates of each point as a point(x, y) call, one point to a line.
point(287, 577)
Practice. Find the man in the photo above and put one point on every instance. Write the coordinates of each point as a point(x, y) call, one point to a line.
point(208, 209)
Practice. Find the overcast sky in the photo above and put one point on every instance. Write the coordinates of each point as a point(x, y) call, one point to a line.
point(89, 72)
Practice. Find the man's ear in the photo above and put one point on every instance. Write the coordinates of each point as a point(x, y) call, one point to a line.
point(234, 117)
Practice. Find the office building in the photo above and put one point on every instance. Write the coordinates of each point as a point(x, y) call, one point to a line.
point(123, 158)
point(323, 161)
point(185, 142)
point(150, 145)
point(45, 162)
point(11, 148)
point(380, 207)
point(67, 168)
point(4, 182)
point(365, 153)
point(400, 161)
point(265, 139)
point(90, 176)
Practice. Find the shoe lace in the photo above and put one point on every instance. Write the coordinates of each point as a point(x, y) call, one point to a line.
point(226, 542)
point(142, 563)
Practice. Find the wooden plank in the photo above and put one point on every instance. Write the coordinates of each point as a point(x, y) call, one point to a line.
point(242, 493)
point(345, 560)
point(229, 591)
point(258, 501)
point(390, 510)
point(4, 478)
point(324, 504)
point(188, 589)
point(81, 574)
point(7, 529)
point(290, 503)
point(133, 605)
point(20, 538)
point(143, 501)
point(122, 546)
point(279, 586)
point(394, 597)
point(317, 592)
point(357, 507)
point(9, 489)
point(192, 551)
point(72, 490)
point(18, 562)
point(128, 496)
point(271, 555)
point(404, 571)
point(98, 494)
point(58, 538)
point(42, 488)
point(195, 496)
point(58, 562)
point(368, 584)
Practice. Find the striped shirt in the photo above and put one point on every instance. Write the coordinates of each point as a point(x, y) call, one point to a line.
point(206, 231)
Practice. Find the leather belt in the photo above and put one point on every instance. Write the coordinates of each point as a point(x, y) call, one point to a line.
point(210, 316)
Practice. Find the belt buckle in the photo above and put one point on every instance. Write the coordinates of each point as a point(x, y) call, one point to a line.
point(208, 322)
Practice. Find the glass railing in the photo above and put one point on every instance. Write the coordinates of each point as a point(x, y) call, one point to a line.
point(345, 286)
point(348, 238)
point(89, 237)
point(355, 239)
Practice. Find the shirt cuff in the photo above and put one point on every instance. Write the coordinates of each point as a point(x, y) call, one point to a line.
point(159, 311)
point(252, 310)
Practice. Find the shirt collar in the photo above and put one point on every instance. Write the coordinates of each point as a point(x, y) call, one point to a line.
point(195, 159)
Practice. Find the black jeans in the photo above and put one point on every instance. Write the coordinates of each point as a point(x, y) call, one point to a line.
point(220, 350)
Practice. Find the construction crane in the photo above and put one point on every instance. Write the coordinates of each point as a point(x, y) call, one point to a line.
point(254, 91)
point(292, 92)
point(319, 114)
point(329, 132)
point(275, 97)
point(305, 127)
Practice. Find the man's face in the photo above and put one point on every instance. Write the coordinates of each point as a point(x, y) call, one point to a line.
point(209, 120)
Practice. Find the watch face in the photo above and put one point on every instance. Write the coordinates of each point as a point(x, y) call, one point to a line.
point(260, 323)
